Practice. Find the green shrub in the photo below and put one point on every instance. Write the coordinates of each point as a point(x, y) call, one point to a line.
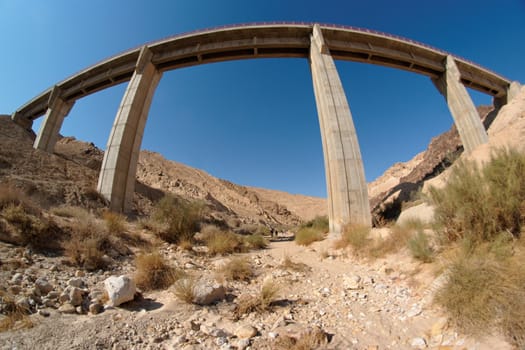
point(319, 223)
point(420, 248)
point(178, 218)
point(483, 203)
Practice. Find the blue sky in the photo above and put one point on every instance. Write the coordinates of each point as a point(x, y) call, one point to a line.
point(254, 122)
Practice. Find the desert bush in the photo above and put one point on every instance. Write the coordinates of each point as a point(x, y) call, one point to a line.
point(91, 246)
point(288, 264)
point(115, 222)
point(319, 223)
point(255, 241)
point(481, 203)
point(308, 235)
point(396, 240)
point(221, 242)
point(15, 316)
point(69, 211)
point(484, 293)
point(248, 303)
point(185, 289)
point(153, 272)
point(356, 236)
point(238, 269)
point(10, 195)
point(178, 218)
point(312, 339)
point(420, 248)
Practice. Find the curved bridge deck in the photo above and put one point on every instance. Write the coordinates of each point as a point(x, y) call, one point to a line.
point(269, 40)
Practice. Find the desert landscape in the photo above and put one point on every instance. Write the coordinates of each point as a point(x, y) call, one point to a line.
point(202, 263)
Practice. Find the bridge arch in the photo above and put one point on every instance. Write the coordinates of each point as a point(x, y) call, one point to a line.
point(320, 44)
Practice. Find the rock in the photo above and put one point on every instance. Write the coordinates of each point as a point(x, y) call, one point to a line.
point(120, 289)
point(64, 297)
point(67, 308)
point(44, 313)
point(242, 344)
point(14, 290)
point(17, 278)
point(208, 292)
point(79, 273)
point(53, 295)
point(76, 282)
point(76, 295)
point(419, 343)
point(245, 332)
point(43, 286)
point(352, 282)
point(414, 311)
point(96, 308)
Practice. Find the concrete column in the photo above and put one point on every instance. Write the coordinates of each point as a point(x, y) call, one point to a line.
point(117, 176)
point(57, 110)
point(466, 117)
point(345, 175)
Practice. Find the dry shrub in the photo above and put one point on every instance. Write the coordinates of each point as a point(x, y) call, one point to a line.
point(420, 248)
point(248, 303)
point(115, 222)
point(356, 236)
point(90, 246)
point(481, 203)
point(288, 264)
point(153, 272)
point(69, 211)
point(14, 315)
point(308, 235)
point(29, 227)
point(319, 223)
point(176, 219)
point(255, 241)
point(185, 289)
point(221, 242)
point(485, 293)
point(310, 340)
point(10, 195)
point(238, 269)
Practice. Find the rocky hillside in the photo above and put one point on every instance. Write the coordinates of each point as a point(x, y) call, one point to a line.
point(70, 176)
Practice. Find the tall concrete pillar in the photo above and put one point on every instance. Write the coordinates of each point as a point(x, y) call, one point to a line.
point(57, 110)
point(466, 117)
point(345, 175)
point(117, 176)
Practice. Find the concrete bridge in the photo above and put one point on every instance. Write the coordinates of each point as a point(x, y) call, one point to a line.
point(321, 44)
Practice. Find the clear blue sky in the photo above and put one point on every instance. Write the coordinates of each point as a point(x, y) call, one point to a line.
point(254, 122)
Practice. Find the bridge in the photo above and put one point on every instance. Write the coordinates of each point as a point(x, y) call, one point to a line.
point(321, 44)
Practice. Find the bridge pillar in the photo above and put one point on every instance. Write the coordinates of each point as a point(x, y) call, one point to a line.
point(345, 175)
point(466, 117)
point(57, 110)
point(117, 176)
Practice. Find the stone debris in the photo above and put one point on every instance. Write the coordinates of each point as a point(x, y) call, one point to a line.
point(120, 289)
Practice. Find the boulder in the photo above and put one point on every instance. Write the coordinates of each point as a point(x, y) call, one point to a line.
point(120, 289)
point(76, 295)
point(43, 286)
point(245, 332)
point(207, 292)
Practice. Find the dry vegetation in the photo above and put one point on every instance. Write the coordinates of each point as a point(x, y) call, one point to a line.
point(248, 303)
point(238, 269)
point(312, 231)
point(153, 272)
point(12, 315)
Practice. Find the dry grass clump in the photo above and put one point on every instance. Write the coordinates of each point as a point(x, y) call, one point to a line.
point(10, 195)
point(356, 236)
point(175, 219)
point(153, 272)
point(28, 226)
point(481, 203)
point(221, 242)
point(69, 211)
point(14, 316)
point(115, 222)
point(255, 241)
point(313, 339)
point(238, 269)
point(248, 303)
point(91, 246)
point(308, 235)
point(288, 264)
point(486, 292)
point(420, 248)
point(185, 289)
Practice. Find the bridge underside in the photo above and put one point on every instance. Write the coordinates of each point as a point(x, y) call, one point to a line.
point(347, 191)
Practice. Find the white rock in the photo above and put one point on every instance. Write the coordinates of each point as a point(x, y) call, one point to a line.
point(120, 289)
point(245, 332)
point(419, 343)
point(352, 282)
point(208, 292)
point(414, 311)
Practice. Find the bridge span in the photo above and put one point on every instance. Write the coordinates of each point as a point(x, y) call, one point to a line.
point(321, 44)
